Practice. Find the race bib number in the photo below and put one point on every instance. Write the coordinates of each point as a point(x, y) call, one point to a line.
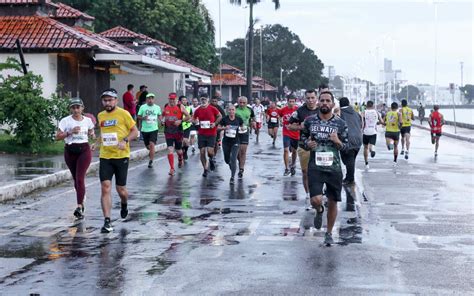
point(205, 124)
point(274, 120)
point(151, 119)
point(324, 159)
point(110, 139)
point(230, 133)
point(243, 130)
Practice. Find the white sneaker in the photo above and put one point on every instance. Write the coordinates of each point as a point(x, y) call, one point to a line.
point(367, 167)
point(394, 164)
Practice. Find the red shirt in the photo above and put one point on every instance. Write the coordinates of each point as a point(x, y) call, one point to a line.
point(285, 114)
point(435, 123)
point(210, 114)
point(128, 103)
point(172, 114)
point(272, 113)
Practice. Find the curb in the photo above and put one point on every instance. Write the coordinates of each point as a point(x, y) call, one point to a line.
point(450, 135)
point(12, 191)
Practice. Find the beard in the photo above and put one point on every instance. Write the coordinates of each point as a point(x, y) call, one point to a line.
point(109, 108)
point(325, 110)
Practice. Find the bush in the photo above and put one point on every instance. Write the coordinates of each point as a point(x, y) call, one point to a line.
point(30, 116)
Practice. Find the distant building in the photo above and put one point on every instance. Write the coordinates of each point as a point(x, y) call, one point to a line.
point(331, 73)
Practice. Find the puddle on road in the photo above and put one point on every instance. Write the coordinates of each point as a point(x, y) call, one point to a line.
point(350, 235)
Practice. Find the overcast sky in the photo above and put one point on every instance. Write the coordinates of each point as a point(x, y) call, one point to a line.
point(346, 34)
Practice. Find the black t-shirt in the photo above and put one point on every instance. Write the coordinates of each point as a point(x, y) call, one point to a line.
point(231, 135)
point(300, 115)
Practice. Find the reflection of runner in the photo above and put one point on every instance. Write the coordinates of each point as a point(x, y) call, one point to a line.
point(247, 115)
point(393, 121)
point(117, 128)
point(230, 144)
point(273, 121)
point(259, 112)
point(325, 134)
point(436, 122)
point(290, 137)
point(149, 115)
point(75, 130)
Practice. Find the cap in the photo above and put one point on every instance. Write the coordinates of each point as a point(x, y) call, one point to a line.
point(109, 93)
point(149, 95)
point(75, 102)
point(172, 96)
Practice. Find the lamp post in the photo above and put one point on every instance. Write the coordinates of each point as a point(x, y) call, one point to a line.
point(220, 48)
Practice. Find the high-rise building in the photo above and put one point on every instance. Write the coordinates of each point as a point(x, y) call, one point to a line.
point(331, 72)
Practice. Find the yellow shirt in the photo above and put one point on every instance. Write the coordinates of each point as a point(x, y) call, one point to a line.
point(391, 121)
point(114, 127)
point(407, 114)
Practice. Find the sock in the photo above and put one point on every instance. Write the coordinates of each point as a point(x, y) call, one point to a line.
point(366, 163)
point(395, 158)
point(107, 219)
point(123, 206)
point(171, 160)
point(180, 156)
point(185, 149)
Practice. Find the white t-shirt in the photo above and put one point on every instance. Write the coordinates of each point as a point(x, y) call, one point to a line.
point(259, 112)
point(68, 123)
point(371, 117)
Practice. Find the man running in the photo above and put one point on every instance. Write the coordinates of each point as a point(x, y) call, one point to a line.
point(393, 121)
point(296, 120)
point(290, 137)
point(259, 112)
point(174, 115)
point(186, 125)
point(194, 127)
point(215, 104)
point(370, 119)
point(273, 121)
point(407, 117)
point(230, 144)
point(208, 117)
point(149, 116)
point(436, 122)
point(325, 135)
point(117, 129)
point(248, 117)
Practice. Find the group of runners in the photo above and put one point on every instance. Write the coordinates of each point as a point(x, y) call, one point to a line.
point(313, 132)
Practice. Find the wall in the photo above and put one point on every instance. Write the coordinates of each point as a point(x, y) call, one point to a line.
point(40, 64)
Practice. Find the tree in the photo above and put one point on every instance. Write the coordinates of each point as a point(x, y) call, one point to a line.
point(185, 24)
point(250, 33)
point(412, 95)
point(468, 91)
point(338, 82)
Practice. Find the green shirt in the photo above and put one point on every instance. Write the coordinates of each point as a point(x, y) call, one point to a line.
point(187, 124)
point(149, 116)
point(245, 114)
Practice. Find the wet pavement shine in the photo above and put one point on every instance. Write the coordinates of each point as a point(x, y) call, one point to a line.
point(405, 231)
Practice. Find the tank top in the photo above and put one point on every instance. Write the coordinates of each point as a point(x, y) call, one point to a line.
point(406, 116)
point(172, 114)
point(371, 117)
point(391, 121)
point(436, 122)
point(187, 125)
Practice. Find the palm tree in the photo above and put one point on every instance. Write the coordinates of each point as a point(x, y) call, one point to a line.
point(249, 73)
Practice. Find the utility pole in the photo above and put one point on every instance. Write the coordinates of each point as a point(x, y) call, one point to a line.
point(261, 60)
point(250, 53)
point(220, 49)
point(460, 91)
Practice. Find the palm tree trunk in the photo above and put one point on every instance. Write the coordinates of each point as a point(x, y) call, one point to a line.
point(250, 54)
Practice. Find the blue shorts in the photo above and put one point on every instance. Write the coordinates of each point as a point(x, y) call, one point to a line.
point(289, 142)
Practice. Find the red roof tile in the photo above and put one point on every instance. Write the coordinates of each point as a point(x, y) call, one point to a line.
point(36, 32)
point(174, 60)
point(121, 32)
point(66, 11)
point(229, 67)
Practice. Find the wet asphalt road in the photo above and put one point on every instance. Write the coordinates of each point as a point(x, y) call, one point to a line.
point(410, 232)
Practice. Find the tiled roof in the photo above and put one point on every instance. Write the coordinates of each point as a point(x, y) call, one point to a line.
point(21, 1)
point(121, 32)
point(43, 33)
point(66, 11)
point(229, 67)
point(228, 79)
point(106, 41)
point(179, 62)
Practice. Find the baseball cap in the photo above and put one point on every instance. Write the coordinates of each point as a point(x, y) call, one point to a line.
point(76, 102)
point(150, 95)
point(172, 96)
point(109, 93)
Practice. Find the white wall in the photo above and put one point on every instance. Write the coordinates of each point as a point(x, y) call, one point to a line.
point(43, 64)
point(161, 84)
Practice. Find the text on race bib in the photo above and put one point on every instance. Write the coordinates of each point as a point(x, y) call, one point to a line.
point(205, 124)
point(324, 158)
point(230, 133)
point(273, 120)
point(243, 130)
point(110, 139)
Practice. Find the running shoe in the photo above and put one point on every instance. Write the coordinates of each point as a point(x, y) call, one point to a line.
point(180, 163)
point(171, 172)
point(436, 154)
point(241, 173)
point(204, 174)
point(406, 155)
point(287, 172)
point(372, 154)
point(150, 164)
point(367, 166)
point(78, 213)
point(403, 152)
point(318, 219)
point(212, 165)
point(231, 181)
point(123, 211)
point(107, 228)
point(328, 240)
point(293, 171)
point(394, 164)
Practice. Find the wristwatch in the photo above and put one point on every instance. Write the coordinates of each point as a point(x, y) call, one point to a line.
point(125, 140)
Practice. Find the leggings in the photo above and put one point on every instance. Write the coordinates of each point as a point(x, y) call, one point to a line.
point(231, 151)
point(78, 163)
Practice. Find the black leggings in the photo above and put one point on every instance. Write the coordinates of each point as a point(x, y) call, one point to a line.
point(231, 151)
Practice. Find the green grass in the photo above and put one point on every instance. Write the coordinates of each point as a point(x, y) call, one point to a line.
point(8, 146)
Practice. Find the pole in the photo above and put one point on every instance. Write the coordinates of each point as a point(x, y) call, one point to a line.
point(22, 57)
point(454, 112)
point(436, 53)
point(220, 49)
point(250, 54)
point(460, 91)
point(281, 82)
point(261, 59)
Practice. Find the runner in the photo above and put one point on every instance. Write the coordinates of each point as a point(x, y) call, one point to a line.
point(436, 122)
point(259, 112)
point(208, 117)
point(186, 125)
point(290, 137)
point(194, 127)
point(393, 121)
point(296, 121)
point(325, 135)
point(370, 119)
point(149, 115)
point(215, 104)
point(273, 121)
point(407, 117)
point(421, 113)
point(117, 129)
point(230, 124)
point(174, 115)
point(247, 115)
point(75, 130)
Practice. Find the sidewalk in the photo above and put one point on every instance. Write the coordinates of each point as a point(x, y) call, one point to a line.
point(463, 134)
point(21, 174)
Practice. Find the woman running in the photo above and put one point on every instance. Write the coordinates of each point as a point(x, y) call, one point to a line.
point(230, 144)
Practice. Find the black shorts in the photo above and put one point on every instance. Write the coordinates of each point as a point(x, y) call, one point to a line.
point(333, 181)
point(366, 140)
point(150, 137)
point(272, 125)
point(244, 138)
point(187, 133)
point(206, 141)
point(392, 135)
point(405, 130)
point(110, 167)
point(176, 143)
point(435, 135)
point(289, 142)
